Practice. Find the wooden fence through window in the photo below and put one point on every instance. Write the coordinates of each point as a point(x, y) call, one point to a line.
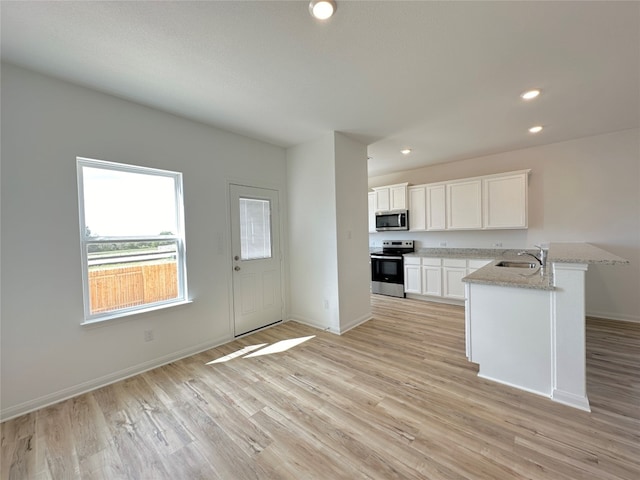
point(123, 287)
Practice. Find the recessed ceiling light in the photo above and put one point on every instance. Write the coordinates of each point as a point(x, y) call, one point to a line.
point(530, 94)
point(405, 151)
point(536, 129)
point(322, 9)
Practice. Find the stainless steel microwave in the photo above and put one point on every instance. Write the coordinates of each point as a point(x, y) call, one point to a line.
point(394, 220)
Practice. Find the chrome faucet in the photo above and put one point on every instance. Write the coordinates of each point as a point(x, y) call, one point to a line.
point(542, 258)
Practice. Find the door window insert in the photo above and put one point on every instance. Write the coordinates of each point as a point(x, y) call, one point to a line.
point(255, 229)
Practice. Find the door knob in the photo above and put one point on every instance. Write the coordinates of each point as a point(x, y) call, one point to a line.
point(236, 268)
point(236, 258)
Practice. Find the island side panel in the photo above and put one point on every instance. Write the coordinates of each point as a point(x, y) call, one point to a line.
point(569, 375)
point(510, 335)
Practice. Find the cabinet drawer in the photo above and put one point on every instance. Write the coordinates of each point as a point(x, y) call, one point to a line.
point(412, 260)
point(431, 262)
point(454, 262)
point(476, 264)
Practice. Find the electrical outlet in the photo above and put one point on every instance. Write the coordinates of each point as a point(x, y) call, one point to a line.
point(497, 244)
point(148, 335)
point(443, 244)
point(326, 304)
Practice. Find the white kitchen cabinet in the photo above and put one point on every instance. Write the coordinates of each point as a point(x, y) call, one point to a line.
point(436, 206)
point(372, 212)
point(398, 196)
point(438, 278)
point(417, 207)
point(504, 201)
point(453, 271)
point(391, 197)
point(489, 202)
point(464, 205)
point(422, 276)
point(432, 277)
point(473, 265)
point(412, 275)
point(383, 203)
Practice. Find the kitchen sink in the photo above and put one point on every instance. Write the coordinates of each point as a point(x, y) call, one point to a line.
point(510, 264)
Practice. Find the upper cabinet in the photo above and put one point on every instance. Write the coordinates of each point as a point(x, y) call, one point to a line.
point(464, 205)
point(417, 207)
point(480, 203)
point(436, 207)
point(372, 212)
point(391, 197)
point(504, 201)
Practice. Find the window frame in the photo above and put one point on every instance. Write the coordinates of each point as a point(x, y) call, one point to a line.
point(178, 237)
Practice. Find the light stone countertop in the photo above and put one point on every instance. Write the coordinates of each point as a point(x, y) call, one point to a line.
point(582, 253)
point(535, 278)
point(472, 253)
point(539, 279)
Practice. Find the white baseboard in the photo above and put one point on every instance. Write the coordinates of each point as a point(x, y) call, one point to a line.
point(614, 316)
point(349, 326)
point(356, 322)
point(427, 298)
point(571, 399)
point(313, 324)
point(513, 385)
point(66, 393)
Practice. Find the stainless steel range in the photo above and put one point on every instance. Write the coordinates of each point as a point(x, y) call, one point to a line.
point(387, 267)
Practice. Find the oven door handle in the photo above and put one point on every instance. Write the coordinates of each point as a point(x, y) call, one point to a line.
point(386, 257)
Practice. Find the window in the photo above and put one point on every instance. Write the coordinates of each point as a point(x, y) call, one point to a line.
point(132, 237)
point(255, 229)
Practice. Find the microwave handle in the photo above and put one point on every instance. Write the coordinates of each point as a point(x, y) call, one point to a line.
point(399, 219)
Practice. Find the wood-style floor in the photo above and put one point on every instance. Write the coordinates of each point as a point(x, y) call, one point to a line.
point(394, 398)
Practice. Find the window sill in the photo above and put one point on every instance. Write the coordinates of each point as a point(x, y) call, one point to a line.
point(128, 313)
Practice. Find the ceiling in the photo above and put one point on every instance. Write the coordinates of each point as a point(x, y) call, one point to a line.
point(441, 78)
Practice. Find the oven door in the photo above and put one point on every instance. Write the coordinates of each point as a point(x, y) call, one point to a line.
point(387, 275)
point(387, 269)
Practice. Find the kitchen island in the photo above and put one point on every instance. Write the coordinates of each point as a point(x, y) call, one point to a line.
point(525, 327)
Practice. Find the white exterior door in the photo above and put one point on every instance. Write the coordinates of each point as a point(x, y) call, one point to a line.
point(255, 247)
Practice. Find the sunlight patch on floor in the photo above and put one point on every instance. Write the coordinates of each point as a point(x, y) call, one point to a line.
point(266, 349)
point(281, 346)
point(238, 353)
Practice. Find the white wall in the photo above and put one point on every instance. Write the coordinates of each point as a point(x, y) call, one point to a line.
point(584, 190)
point(354, 271)
point(328, 233)
point(313, 247)
point(46, 355)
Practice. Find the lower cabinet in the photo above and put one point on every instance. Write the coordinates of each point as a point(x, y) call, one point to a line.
point(412, 276)
point(431, 278)
point(438, 277)
point(453, 271)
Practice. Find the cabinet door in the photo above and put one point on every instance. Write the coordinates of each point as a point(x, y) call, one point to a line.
point(473, 265)
point(452, 280)
point(382, 200)
point(431, 280)
point(398, 197)
point(412, 279)
point(464, 205)
point(505, 201)
point(372, 211)
point(417, 208)
point(436, 207)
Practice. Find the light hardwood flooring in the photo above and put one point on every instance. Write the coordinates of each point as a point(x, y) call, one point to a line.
point(394, 398)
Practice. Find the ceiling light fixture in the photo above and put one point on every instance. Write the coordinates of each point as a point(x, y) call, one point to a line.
point(530, 94)
point(405, 151)
point(322, 9)
point(536, 129)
